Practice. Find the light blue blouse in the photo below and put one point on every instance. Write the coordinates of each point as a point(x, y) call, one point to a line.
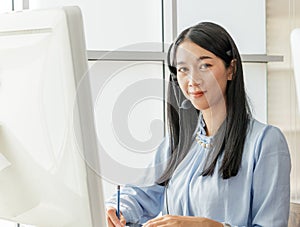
point(258, 196)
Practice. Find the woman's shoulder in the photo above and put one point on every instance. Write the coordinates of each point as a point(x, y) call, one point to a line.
point(266, 137)
point(257, 128)
point(256, 125)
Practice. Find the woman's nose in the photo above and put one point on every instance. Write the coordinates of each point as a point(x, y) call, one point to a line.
point(195, 79)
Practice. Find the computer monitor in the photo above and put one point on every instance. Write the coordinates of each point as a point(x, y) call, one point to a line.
point(46, 122)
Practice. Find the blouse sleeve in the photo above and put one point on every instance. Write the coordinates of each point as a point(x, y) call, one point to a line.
point(271, 180)
point(139, 204)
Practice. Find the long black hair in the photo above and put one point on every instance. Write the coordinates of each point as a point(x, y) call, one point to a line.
point(182, 122)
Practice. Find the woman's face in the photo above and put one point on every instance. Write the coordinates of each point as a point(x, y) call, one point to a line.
point(202, 76)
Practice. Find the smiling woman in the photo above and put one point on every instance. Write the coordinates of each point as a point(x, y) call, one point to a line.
point(221, 167)
point(202, 77)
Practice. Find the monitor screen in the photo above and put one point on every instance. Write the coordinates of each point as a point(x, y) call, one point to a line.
point(46, 122)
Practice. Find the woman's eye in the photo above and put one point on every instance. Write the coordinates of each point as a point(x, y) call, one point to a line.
point(182, 69)
point(204, 67)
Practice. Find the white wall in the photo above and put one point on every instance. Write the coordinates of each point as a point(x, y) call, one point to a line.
point(243, 19)
point(141, 110)
point(116, 24)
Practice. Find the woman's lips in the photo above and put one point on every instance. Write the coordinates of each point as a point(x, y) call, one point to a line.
point(196, 94)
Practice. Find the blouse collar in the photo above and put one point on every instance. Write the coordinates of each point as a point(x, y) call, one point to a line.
point(201, 137)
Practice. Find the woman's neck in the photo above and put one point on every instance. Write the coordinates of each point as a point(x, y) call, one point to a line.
point(213, 119)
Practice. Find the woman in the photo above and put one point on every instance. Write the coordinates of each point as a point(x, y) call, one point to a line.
point(224, 168)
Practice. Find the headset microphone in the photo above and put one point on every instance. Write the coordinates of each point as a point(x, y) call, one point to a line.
point(186, 104)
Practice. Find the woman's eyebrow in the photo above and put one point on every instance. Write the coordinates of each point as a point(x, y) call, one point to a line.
point(204, 57)
point(199, 59)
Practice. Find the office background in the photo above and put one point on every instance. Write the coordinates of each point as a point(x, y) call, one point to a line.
point(127, 40)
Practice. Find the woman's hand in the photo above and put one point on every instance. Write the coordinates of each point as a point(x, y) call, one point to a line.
point(179, 221)
point(112, 219)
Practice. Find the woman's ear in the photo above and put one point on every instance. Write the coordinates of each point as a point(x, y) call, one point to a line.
point(231, 70)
